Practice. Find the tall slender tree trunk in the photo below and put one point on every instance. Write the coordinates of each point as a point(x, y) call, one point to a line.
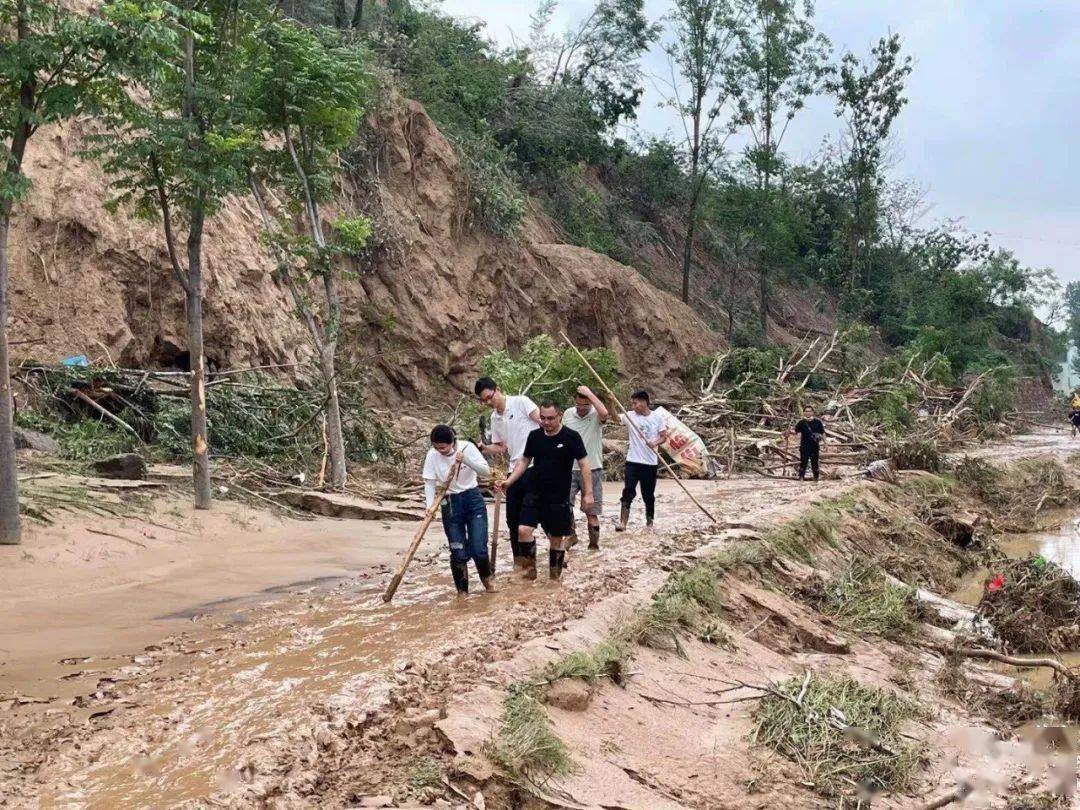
point(731, 303)
point(200, 444)
point(335, 438)
point(10, 526)
point(766, 259)
point(691, 214)
point(688, 253)
point(358, 14)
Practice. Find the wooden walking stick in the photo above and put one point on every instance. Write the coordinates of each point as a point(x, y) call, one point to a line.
point(496, 479)
point(630, 422)
point(430, 516)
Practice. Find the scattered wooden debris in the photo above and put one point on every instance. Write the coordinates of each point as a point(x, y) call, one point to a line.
point(746, 424)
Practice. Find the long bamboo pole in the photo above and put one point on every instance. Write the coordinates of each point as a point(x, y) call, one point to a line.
point(630, 422)
point(428, 517)
point(496, 478)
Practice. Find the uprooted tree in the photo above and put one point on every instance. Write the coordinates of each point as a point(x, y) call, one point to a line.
point(54, 64)
point(178, 146)
point(308, 96)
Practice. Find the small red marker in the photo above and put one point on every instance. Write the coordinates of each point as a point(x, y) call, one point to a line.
point(996, 584)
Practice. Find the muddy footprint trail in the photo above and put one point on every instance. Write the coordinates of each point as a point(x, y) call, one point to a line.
point(331, 698)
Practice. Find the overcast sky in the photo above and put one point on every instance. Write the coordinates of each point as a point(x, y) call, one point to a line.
point(994, 103)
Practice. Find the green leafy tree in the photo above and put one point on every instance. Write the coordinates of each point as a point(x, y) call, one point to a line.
point(1072, 312)
point(55, 64)
point(178, 147)
point(703, 35)
point(307, 99)
point(868, 99)
point(780, 61)
point(601, 54)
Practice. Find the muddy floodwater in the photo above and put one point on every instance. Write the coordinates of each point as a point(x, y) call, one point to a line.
point(1061, 546)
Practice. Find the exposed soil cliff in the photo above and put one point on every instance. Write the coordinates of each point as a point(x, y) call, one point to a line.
point(420, 312)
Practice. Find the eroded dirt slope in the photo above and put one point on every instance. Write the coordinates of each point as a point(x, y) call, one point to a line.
point(422, 310)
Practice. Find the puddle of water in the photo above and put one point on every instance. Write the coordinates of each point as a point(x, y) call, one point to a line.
point(338, 651)
point(1061, 546)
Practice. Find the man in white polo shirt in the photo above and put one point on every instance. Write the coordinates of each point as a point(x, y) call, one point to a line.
point(647, 432)
point(513, 418)
point(587, 418)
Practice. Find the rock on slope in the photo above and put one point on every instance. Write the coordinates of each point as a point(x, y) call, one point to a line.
point(420, 314)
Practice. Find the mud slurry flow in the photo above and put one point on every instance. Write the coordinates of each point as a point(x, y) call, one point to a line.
point(326, 697)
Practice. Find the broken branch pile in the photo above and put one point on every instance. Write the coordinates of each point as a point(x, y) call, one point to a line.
point(1033, 605)
point(751, 398)
point(250, 415)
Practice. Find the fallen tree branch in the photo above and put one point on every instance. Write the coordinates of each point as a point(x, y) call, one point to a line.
point(992, 655)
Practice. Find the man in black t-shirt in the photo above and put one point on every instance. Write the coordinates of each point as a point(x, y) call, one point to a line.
point(552, 450)
point(811, 432)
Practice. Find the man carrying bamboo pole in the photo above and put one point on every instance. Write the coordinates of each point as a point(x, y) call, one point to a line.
point(464, 514)
point(587, 419)
point(513, 418)
point(552, 451)
point(642, 459)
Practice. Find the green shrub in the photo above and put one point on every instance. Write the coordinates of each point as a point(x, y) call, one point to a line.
point(84, 440)
point(801, 722)
point(496, 198)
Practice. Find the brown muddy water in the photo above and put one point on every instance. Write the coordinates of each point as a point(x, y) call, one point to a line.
point(327, 651)
point(1060, 545)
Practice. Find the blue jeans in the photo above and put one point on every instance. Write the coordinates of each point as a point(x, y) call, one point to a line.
point(464, 518)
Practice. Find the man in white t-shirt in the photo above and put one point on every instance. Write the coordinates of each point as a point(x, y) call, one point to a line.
point(587, 418)
point(647, 432)
point(513, 418)
point(464, 514)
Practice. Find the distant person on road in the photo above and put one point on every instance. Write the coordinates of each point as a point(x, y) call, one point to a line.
point(587, 419)
point(513, 418)
point(647, 432)
point(464, 514)
point(811, 432)
point(552, 451)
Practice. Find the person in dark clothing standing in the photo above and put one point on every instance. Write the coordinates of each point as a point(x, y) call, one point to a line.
point(811, 431)
point(552, 451)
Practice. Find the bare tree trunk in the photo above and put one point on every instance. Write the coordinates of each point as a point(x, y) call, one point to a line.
point(691, 214)
point(358, 14)
point(335, 437)
point(688, 250)
point(731, 303)
point(200, 445)
point(10, 526)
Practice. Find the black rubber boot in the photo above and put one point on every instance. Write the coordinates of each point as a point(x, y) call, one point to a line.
point(528, 561)
point(624, 518)
point(556, 563)
point(460, 571)
point(487, 576)
point(594, 537)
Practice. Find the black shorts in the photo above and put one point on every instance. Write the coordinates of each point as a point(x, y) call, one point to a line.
point(556, 519)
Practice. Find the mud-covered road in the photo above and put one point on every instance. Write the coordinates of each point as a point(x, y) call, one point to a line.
point(322, 695)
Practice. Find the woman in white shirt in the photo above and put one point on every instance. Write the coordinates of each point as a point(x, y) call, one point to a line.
point(464, 514)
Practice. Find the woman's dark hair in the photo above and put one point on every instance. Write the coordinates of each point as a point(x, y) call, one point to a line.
point(643, 395)
point(442, 434)
point(484, 384)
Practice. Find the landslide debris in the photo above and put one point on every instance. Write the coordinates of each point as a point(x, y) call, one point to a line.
point(1033, 605)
